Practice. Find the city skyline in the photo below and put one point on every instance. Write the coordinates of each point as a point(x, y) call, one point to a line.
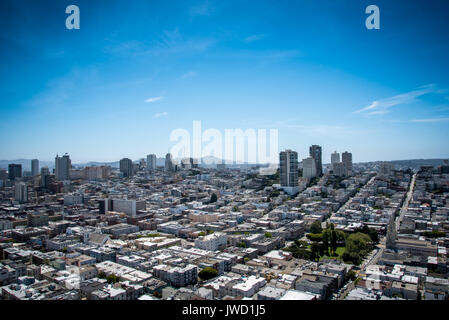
point(314, 72)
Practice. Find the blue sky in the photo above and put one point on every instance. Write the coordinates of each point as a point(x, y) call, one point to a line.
point(136, 70)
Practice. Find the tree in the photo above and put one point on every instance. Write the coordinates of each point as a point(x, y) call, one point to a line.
point(112, 278)
point(64, 250)
point(322, 249)
point(301, 243)
point(202, 233)
point(370, 232)
point(213, 198)
point(434, 234)
point(326, 241)
point(351, 257)
point(316, 227)
point(341, 237)
point(357, 246)
point(315, 248)
point(357, 242)
point(333, 241)
point(268, 235)
point(351, 275)
point(315, 237)
point(242, 244)
point(208, 273)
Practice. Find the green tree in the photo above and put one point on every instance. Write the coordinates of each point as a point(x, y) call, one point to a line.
point(333, 241)
point(301, 243)
point(268, 235)
point(208, 273)
point(351, 257)
point(213, 198)
point(326, 241)
point(315, 248)
point(315, 237)
point(112, 278)
point(357, 242)
point(341, 237)
point(434, 234)
point(316, 227)
point(351, 275)
point(242, 244)
point(202, 233)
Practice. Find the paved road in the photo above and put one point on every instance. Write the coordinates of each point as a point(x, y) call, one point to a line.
point(406, 202)
point(343, 207)
point(381, 246)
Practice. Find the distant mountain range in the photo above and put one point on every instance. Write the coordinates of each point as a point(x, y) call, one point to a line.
point(207, 162)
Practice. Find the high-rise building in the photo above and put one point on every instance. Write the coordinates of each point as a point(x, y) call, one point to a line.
point(169, 163)
point(186, 163)
point(151, 162)
point(14, 171)
point(315, 153)
point(130, 207)
point(194, 162)
point(288, 168)
point(45, 174)
point(335, 157)
point(21, 192)
point(34, 167)
point(339, 169)
point(3, 175)
point(346, 158)
point(62, 167)
point(309, 168)
point(126, 167)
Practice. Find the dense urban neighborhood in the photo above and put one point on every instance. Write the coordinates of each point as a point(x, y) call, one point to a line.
point(185, 231)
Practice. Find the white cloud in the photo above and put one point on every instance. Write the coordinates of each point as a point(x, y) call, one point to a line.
point(383, 106)
point(189, 74)
point(153, 99)
point(430, 120)
point(203, 9)
point(254, 37)
point(160, 114)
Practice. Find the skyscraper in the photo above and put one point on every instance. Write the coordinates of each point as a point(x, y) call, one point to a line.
point(34, 167)
point(336, 165)
point(14, 171)
point(309, 168)
point(288, 171)
point(335, 157)
point(62, 167)
point(21, 192)
point(315, 153)
point(3, 175)
point(126, 167)
point(151, 162)
point(45, 174)
point(346, 158)
point(168, 162)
